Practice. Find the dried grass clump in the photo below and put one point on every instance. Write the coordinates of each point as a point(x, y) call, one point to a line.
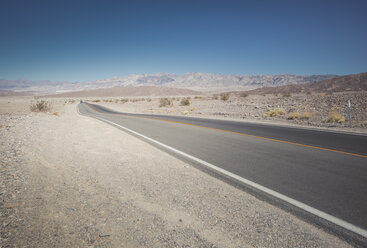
point(293, 116)
point(287, 95)
point(307, 115)
point(41, 106)
point(224, 96)
point(364, 123)
point(164, 102)
point(215, 97)
point(185, 112)
point(55, 113)
point(185, 102)
point(335, 117)
point(274, 112)
point(243, 95)
point(124, 100)
point(96, 100)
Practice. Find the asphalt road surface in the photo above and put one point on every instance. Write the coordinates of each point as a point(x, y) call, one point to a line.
point(325, 170)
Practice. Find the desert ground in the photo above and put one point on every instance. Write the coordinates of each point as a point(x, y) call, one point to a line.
point(71, 181)
point(307, 110)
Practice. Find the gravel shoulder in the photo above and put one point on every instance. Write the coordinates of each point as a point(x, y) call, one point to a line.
point(73, 181)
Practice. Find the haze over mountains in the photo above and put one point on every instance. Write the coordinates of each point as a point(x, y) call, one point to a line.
point(130, 91)
point(194, 81)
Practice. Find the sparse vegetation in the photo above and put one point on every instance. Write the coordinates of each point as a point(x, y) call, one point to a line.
point(293, 116)
point(148, 99)
point(137, 99)
point(243, 94)
point(307, 115)
point(274, 112)
point(224, 96)
point(164, 102)
point(198, 97)
point(287, 95)
point(185, 112)
point(96, 100)
point(55, 113)
point(41, 106)
point(335, 117)
point(364, 123)
point(71, 101)
point(185, 102)
point(124, 100)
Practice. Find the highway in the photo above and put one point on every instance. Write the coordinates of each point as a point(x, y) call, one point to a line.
point(324, 170)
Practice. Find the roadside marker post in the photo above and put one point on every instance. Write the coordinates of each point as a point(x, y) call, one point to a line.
point(349, 114)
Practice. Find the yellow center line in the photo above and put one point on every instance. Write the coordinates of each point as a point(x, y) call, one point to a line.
point(244, 134)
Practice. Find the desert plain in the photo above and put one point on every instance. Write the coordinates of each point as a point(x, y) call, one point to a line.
point(72, 181)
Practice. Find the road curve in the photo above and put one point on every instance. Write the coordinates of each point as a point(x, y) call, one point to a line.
point(325, 170)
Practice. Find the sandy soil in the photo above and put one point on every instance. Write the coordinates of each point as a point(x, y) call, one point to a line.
point(73, 181)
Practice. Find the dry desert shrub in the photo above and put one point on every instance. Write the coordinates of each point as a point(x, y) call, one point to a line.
point(243, 95)
point(41, 106)
point(335, 117)
point(198, 97)
point(185, 102)
point(164, 102)
point(96, 100)
point(287, 95)
point(124, 100)
point(224, 96)
point(293, 116)
point(307, 115)
point(55, 113)
point(274, 112)
point(137, 99)
point(148, 99)
point(185, 112)
point(364, 123)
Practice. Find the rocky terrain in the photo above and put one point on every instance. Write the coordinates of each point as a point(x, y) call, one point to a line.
point(309, 110)
point(62, 184)
point(354, 82)
point(194, 81)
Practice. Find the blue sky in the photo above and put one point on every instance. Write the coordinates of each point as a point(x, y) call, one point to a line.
point(89, 40)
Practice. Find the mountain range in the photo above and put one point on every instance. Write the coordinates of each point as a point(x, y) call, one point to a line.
point(204, 82)
point(353, 82)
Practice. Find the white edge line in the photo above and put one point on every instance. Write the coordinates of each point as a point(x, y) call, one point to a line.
point(271, 192)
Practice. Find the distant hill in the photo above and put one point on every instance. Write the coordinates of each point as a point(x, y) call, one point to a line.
point(130, 91)
point(353, 82)
point(192, 80)
point(13, 93)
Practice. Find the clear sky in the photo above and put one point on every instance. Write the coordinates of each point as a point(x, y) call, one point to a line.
point(88, 40)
